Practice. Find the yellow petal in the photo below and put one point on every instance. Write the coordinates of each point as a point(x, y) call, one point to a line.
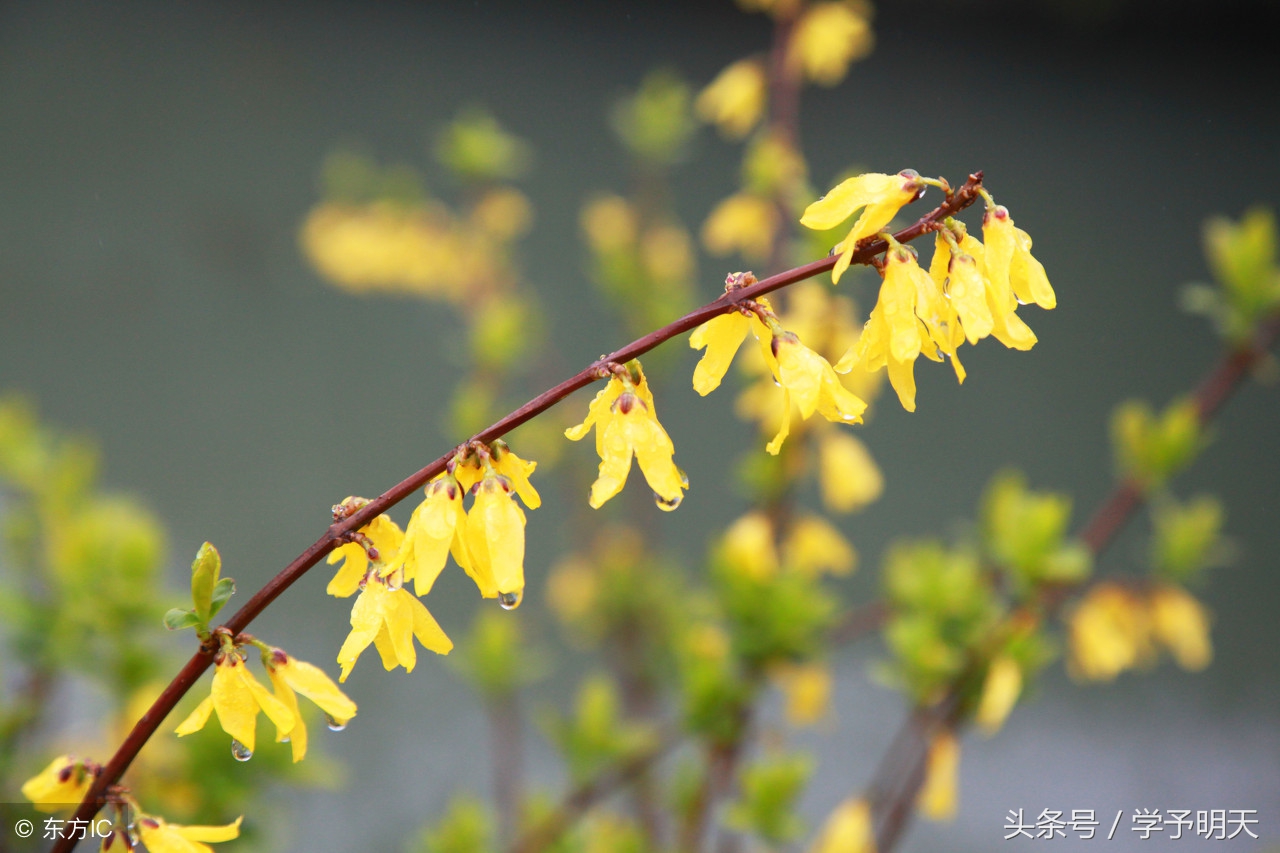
point(744, 223)
point(398, 613)
point(1181, 624)
point(938, 795)
point(297, 737)
point(517, 470)
point(847, 830)
point(826, 40)
point(428, 631)
point(1027, 275)
point(748, 546)
point(209, 833)
point(847, 197)
point(847, 475)
point(784, 427)
point(313, 683)
point(720, 337)
point(196, 720)
point(354, 568)
point(1000, 693)
point(64, 781)
point(902, 378)
point(234, 702)
point(814, 546)
point(735, 99)
point(366, 622)
point(277, 712)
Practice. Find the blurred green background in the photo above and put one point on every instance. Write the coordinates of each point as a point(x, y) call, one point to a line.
point(156, 160)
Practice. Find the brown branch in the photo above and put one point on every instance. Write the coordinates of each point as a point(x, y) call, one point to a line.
point(584, 796)
point(901, 771)
point(186, 677)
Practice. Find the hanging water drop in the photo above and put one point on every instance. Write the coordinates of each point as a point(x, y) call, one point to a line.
point(510, 600)
point(684, 478)
point(239, 751)
point(335, 725)
point(131, 832)
point(667, 505)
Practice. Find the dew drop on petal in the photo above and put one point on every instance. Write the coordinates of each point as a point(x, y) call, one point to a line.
point(667, 505)
point(285, 739)
point(510, 600)
point(239, 751)
point(684, 478)
point(334, 725)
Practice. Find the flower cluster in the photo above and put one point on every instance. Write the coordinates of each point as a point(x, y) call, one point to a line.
point(487, 541)
point(1115, 628)
point(970, 291)
point(626, 423)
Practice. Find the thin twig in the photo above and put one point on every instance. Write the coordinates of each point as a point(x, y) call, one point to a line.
point(332, 537)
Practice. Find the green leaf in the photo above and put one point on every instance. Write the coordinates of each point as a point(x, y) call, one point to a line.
point(177, 619)
point(222, 590)
point(204, 576)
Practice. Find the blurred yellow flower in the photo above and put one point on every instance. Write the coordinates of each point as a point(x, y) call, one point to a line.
point(938, 794)
point(814, 546)
point(748, 546)
point(743, 222)
point(237, 697)
point(878, 196)
point(734, 101)
point(1000, 693)
point(609, 223)
point(807, 689)
point(826, 39)
point(847, 829)
point(64, 782)
point(159, 836)
point(390, 619)
point(1181, 625)
point(626, 424)
point(848, 477)
point(290, 676)
point(1110, 631)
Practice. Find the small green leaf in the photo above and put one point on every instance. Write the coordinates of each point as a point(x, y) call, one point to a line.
point(177, 619)
point(204, 576)
point(222, 590)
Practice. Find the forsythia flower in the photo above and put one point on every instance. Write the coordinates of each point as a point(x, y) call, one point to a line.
point(938, 795)
point(814, 546)
point(847, 830)
point(1000, 693)
point(744, 222)
point(626, 423)
point(436, 528)
point(734, 101)
point(826, 40)
point(879, 196)
point(1180, 623)
point(238, 697)
point(385, 537)
point(158, 836)
point(720, 337)
point(65, 781)
point(290, 676)
point(911, 317)
point(848, 477)
point(748, 546)
point(1009, 262)
point(495, 540)
point(1110, 632)
point(809, 380)
point(807, 689)
point(390, 619)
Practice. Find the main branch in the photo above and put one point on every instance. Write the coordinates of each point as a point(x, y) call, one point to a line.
point(333, 536)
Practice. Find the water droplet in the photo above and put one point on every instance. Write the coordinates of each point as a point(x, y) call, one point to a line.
point(510, 600)
point(285, 739)
point(239, 751)
point(335, 725)
point(1020, 300)
point(132, 833)
point(667, 505)
point(684, 478)
point(776, 383)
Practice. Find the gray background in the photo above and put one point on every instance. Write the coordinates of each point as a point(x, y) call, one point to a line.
point(156, 159)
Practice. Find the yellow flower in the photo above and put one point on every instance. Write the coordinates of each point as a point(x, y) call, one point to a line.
point(1010, 265)
point(847, 475)
point(626, 423)
point(826, 40)
point(748, 546)
point(390, 619)
point(807, 689)
point(1000, 693)
point(1110, 631)
point(938, 795)
point(911, 317)
point(720, 337)
point(495, 541)
point(64, 782)
point(814, 546)
point(159, 836)
point(436, 528)
point(1182, 626)
point(610, 224)
point(386, 538)
point(847, 830)
point(809, 380)
point(879, 196)
point(290, 676)
point(743, 222)
point(734, 101)
point(967, 272)
point(238, 697)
